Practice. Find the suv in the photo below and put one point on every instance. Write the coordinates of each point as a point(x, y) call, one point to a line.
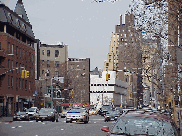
point(32, 112)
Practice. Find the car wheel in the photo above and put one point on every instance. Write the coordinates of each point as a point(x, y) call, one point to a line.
point(86, 121)
point(53, 120)
point(14, 119)
point(70, 121)
point(57, 120)
point(67, 121)
point(37, 120)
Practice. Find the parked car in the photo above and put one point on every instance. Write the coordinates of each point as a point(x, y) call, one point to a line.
point(21, 116)
point(105, 108)
point(111, 115)
point(92, 112)
point(135, 123)
point(47, 114)
point(64, 112)
point(77, 114)
point(32, 112)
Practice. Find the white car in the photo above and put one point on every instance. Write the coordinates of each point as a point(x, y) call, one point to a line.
point(77, 114)
point(32, 112)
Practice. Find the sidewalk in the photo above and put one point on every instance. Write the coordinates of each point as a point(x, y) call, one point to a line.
point(6, 119)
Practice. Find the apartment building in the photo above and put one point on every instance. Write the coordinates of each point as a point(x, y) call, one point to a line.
point(53, 64)
point(111, 64)
point(130, 59)
point(79, 79)
point(16, 54)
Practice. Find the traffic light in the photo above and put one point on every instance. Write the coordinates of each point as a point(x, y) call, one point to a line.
point(26, 74)
point(23, 73)
point(107, 76)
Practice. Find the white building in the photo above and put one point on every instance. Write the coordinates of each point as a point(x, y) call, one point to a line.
point(108, 92)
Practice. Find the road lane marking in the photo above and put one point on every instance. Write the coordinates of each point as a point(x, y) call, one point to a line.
point(12, 127)
point(19, 126)
point(62, 129)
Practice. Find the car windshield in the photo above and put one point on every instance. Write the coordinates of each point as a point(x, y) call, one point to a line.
point(21, 113)
point(106, 107)
point(141, 125)
point(31, 110)
point(45, 110)
point(76, 110)
point(113, 112)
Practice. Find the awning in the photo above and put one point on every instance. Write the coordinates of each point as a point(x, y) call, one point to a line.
point(68, 104)
point(65, 104)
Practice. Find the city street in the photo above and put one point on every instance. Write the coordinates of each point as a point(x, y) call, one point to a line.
point(33, 128)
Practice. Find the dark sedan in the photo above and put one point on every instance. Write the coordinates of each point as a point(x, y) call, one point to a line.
point(111, 115)
point(146, 123)
point(105, 108)
point(21, 116)
point(47, 114)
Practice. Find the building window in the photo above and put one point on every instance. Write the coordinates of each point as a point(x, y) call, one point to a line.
point(20, 83)
point(20, 53)
point(48, 63)
point(42, 52)
point(16, 84)
point(12, 65)
point(12, 48)
point(56, 53)
point(9, 48)
point(56, 64)
point(42, 72)
point(48, 72)
point(12, 82)
point(16, 67)
point(20, 67)
point(48, 53)
point(17, 51)
point(109, 60)
point(107, 64)
point(56, 73)
point(29, 84)
point(9, 64)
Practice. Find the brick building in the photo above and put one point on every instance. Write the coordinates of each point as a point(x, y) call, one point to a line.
point(53, 63)
point(79, 76)
point(130, 59)
point(16, 53)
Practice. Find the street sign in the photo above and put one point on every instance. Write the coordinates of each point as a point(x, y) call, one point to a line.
point(47, 95)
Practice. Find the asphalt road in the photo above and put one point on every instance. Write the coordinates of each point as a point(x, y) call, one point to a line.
point(61, 128)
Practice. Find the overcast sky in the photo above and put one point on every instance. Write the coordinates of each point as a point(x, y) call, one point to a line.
point(84, 26)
